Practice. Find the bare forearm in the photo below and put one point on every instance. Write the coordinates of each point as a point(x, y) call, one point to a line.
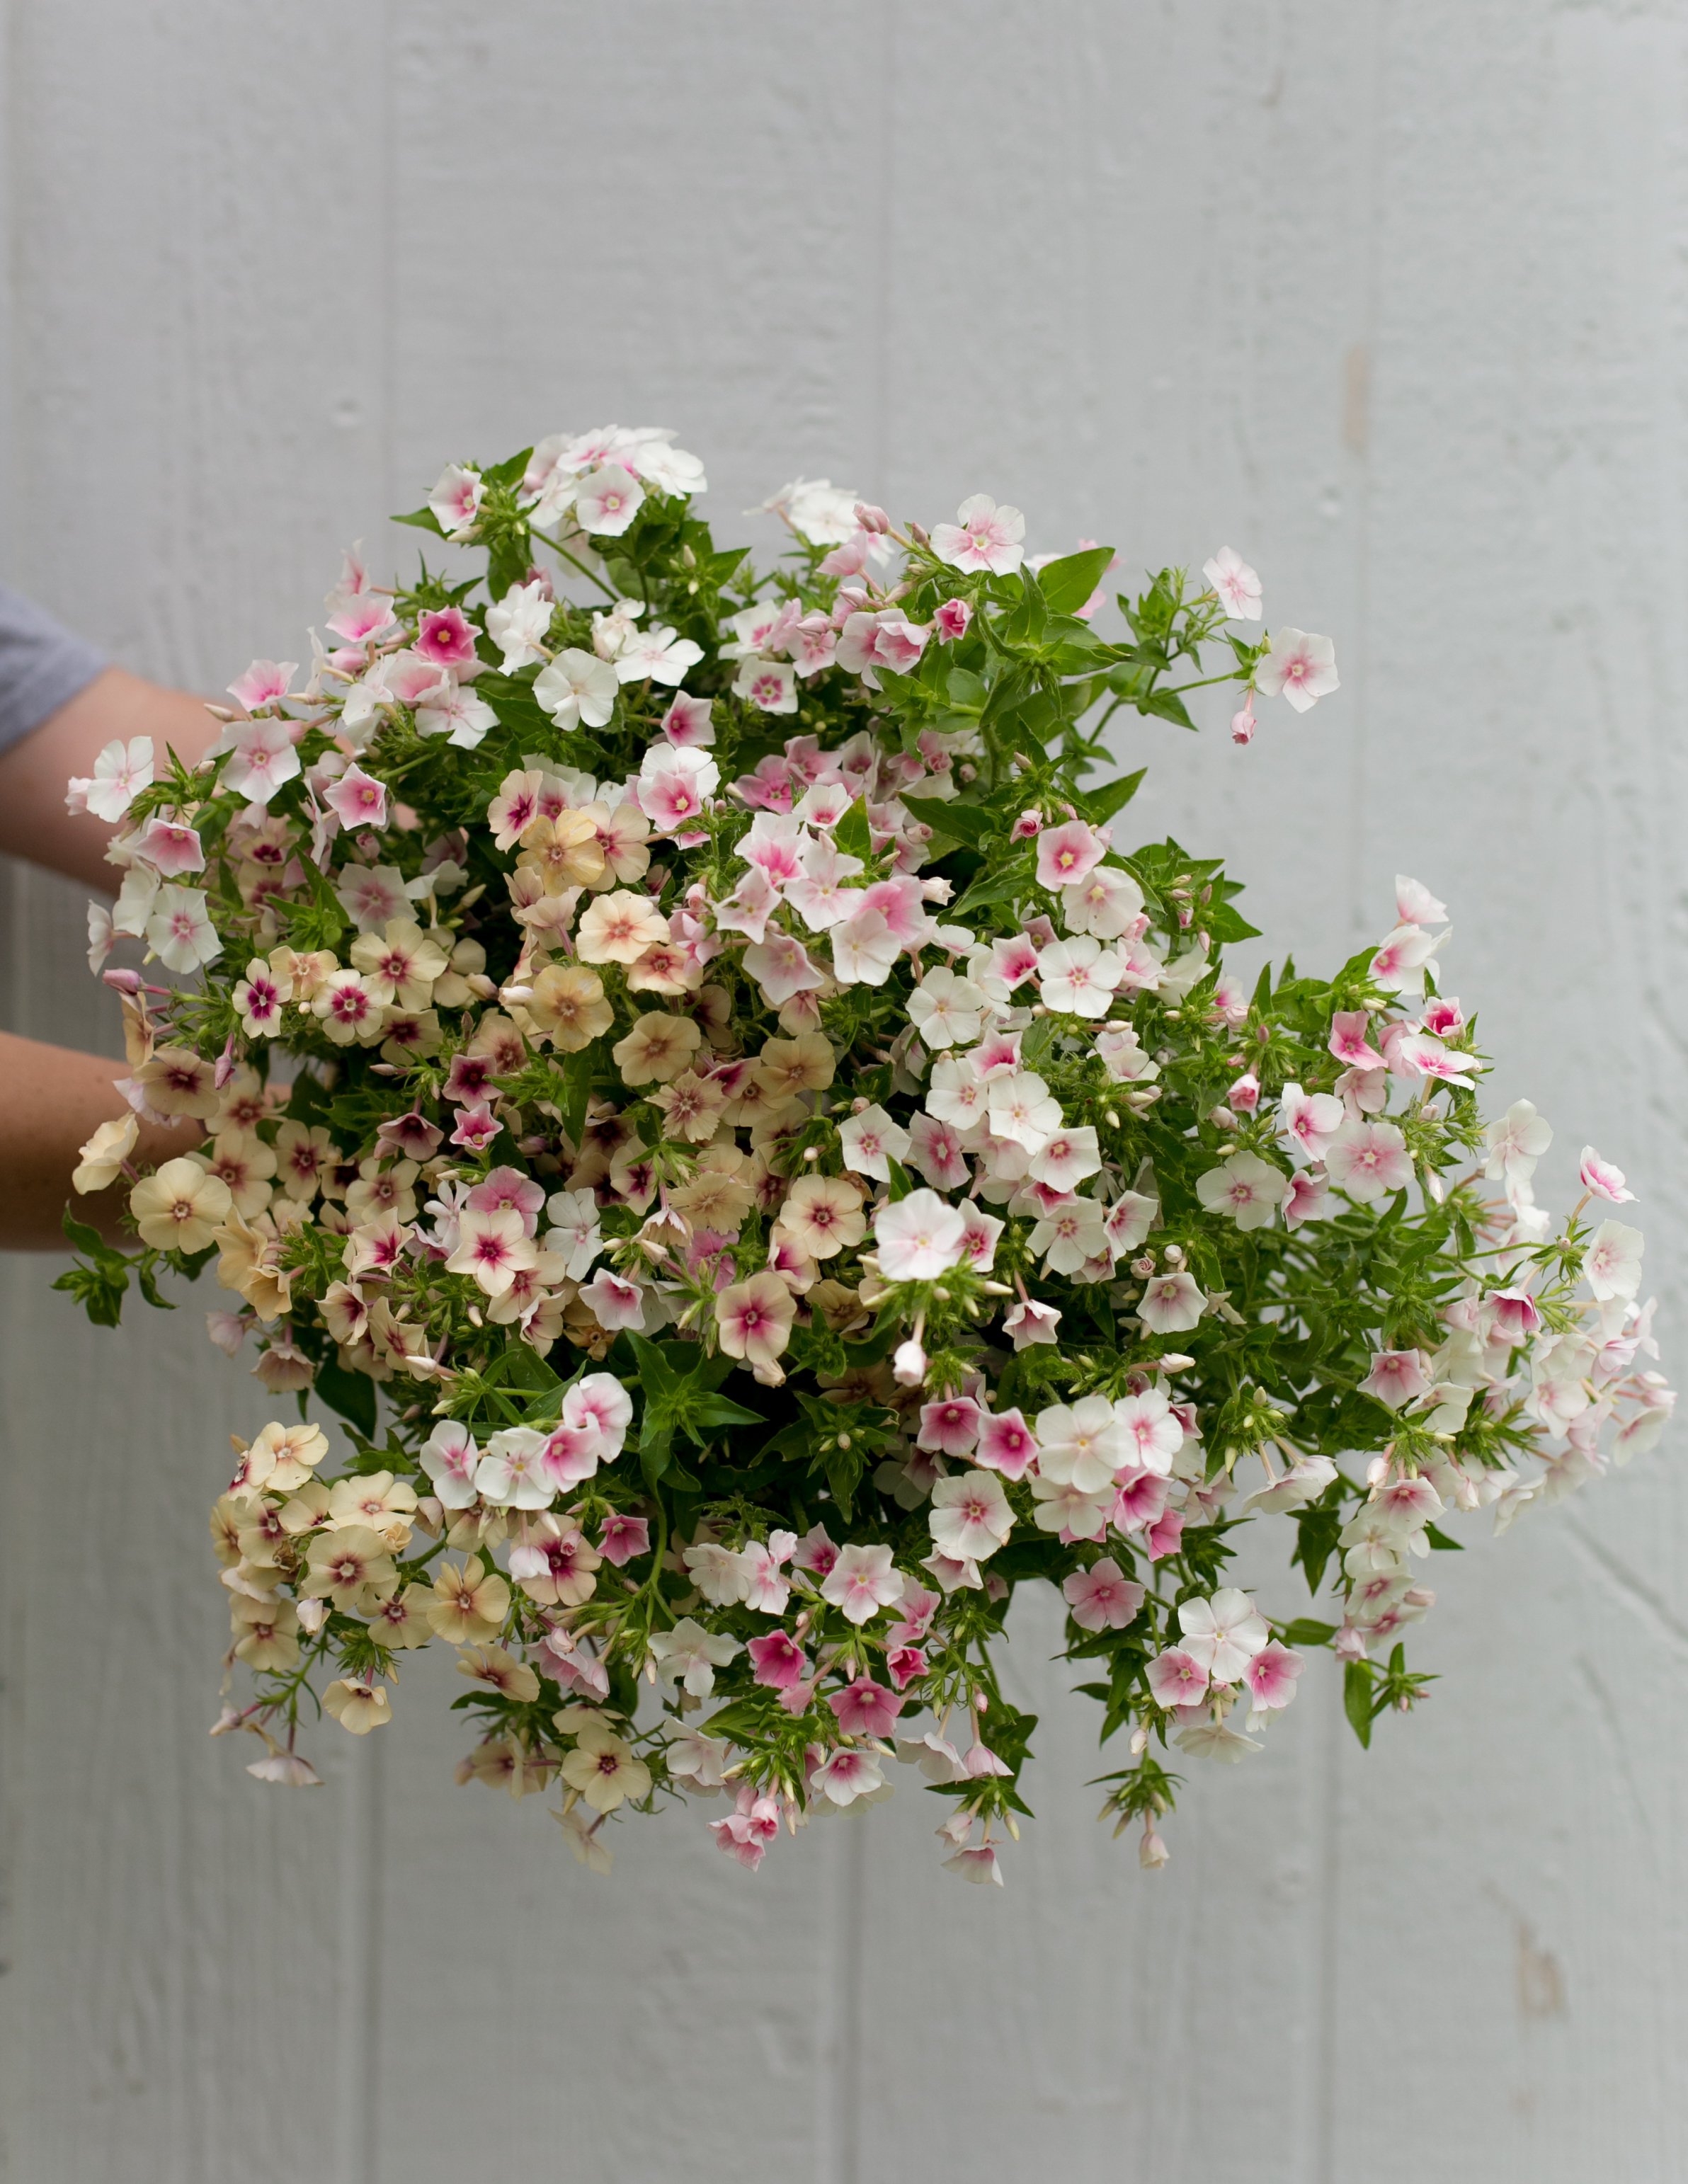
point(115, 705)
point(52, 1101)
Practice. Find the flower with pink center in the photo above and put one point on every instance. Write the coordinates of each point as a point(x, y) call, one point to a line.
point(865, 1708)
point(1415, 905)
point(1031, 1320)
point(1236, 584)
point(778, 1660)
point(170, 848)
point(764, 1585)
point(864, 949)
point(477, 1127)
point(950, 620)
point(1368, 1160)
point(613, 1301)
point(455, 501)
point(971, 1517)
point(1602, 1180)
point(1006, 1443)
point(359, 617)
point(258, 998)
point(815, 1552)
point(1397, 1376)
point(1611, 1266)
point(120, 772)
point(1351, 1039)
point(1298, 667)
point(1080, 977)
point(919, 1237)
point(261, 759)
point(1176, 1678)
point(870, 1141)
point(373, 896)
point(180, 931)
point(754, 1318)
point(688, 723)
point(950, 1426)
point(449, 1457)
point(770, 685)
point(357, 799)
point(571, 1455)
point(1067, 855)
point(1399, 964)
point(1308, 1200)
point(607, 500)
point(935, 1149)
point(905, 1665)
point(445, 637)
point(674, 783)
point(983, 537)
point(1152, 1430)
point(782, 968)
point(1309, 1120)
point(265, 682)
point(1246, 1188)
point(624, 1538)
point(1271, 1676)
point(1064, 1161)
point(1139, 1499)
point(1102, 1597)
point(850, 1774)
point(1515, 1315)
point(491, 1248)
point(861, 1581)
point(508, 1187)
point(1244, 724)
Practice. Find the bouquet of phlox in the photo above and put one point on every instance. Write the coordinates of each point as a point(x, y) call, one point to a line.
point(691, 1084)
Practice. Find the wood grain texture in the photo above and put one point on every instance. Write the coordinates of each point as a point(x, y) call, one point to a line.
point(1391, 300)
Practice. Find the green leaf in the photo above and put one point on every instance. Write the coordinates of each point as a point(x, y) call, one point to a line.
point(963, 822)
point(985, 891)
point(424, 519)
point(852, 834)
point(1304, 1631)
point(1356, 1698)
point(722, 1411)
point(1319, 1528)
point(1440, 1539)
point(1100, 804)
point(1068, 582)
point(508, 473)
point(1165, 707)
point(351, 1393)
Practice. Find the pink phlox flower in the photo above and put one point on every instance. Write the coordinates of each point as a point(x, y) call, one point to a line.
point(1415, 905)
point(674, 783)
point(1309, 1120)
point(613, 1301)
point(1067, 855)
point(777, 1660)
point(1308, 1200)
point(1244, 724)
point(1139, 1499)
point(357, 799)
point(865, 1708)
point(1297, 666)
point(920, 1237)
point(1396, 1377)
point(445, 636)
point(1236, 584)
point(935, 1149)
point(1102, 1597)
point(1351, 1039)
point(766, 1587)
point(748, 909)
point(949, 1426)
point(1029, 1322)
point(1398, 965)
point(1271, 1676)
point(451, 1457)
point(1164, 1537)
point(1368, 1160)
point(262, 757)
point(904, 1665)
point(1176, 1678)
point(1612, 1265)
point(1006, 1443)
point(815, 1552)
point(1603, 1180)
point(477, 1127)
point(168, 847)
point(364, 615)
point(848, 1774)
point(265, 682)
point(983, 537)
point(623, 1538)
point(775, 846)
point(1151, 1429)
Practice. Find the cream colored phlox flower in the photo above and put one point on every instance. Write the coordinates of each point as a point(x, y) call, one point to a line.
point(102, 1158)
point(180, 1208)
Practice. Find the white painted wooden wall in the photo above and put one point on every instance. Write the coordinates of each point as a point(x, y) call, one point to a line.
point(1392, 298)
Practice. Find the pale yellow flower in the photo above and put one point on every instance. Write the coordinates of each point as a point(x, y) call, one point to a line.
point(305, 974)
point(786, 1067)
point(382, 1187)
point(564, 852)
point(246, 1164)
point(403, 1620)
point(303, 1511)
point(400, 964)
point(568, 1007)
point(179, 1208)
point(384, 1503)
point(618, 929)
point(468, 1605)
point(692, 1108)
point(622, 835)
point(352, 1568)
point(719, 1195)
point(357, 1706)
point(822, 1215)
point(249, 1261)
point(604, 1769)
point(499, 1671)
point(283, 1457)
point(304, 1152)
point(657, 1049)
point(265, 1634)
point(177, 1081)
point(102, 1158)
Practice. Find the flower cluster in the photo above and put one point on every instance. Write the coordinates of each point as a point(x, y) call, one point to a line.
point(690, 1077)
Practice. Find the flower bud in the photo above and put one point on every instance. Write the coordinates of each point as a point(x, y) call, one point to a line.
point(908, 1367)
